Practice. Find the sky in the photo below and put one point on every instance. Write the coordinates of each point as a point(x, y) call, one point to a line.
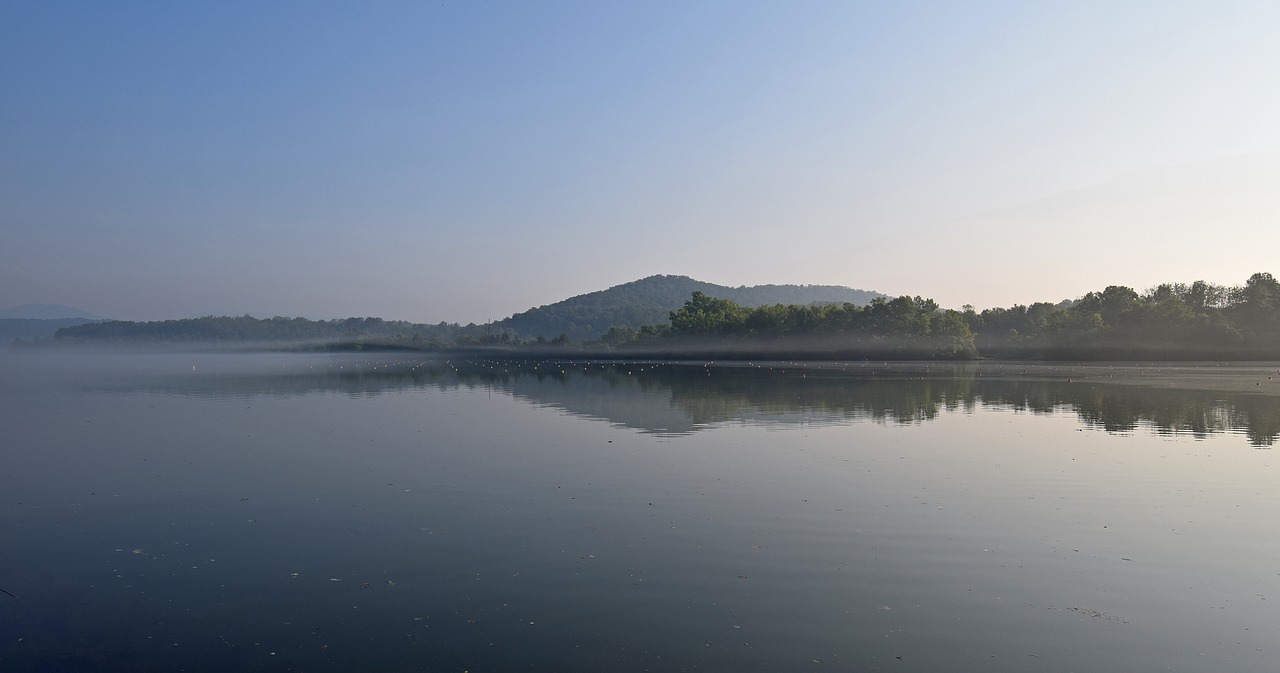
point(463, 161)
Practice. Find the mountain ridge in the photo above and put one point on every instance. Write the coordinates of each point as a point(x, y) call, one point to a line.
point(46, 312)
point(650, 300)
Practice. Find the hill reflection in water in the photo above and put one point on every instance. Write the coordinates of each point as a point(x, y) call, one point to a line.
point(673, 398)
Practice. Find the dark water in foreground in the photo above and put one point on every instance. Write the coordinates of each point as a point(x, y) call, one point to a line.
point(313, 513)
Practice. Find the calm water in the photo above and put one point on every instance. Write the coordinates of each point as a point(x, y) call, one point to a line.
point(318, 513)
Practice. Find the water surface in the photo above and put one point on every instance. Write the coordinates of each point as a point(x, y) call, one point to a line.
point(318, 513)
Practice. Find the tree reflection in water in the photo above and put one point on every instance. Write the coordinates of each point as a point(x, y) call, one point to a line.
point(682, 397)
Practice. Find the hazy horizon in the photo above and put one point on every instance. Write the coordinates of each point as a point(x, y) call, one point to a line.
point(268, 314)
point(463, 163)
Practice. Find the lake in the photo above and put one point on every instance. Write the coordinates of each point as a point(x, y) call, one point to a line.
point(302, 512)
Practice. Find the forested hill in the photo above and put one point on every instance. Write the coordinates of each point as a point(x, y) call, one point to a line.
point(650, 301)
point(1173, 321)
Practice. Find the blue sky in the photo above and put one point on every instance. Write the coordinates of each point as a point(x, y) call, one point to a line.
point(463, 161)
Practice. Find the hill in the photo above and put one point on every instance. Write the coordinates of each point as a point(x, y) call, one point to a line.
point(649, 301)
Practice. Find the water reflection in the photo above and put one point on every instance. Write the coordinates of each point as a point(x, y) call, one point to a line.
point(695, 396)
point(201, 513)
point(673, 398)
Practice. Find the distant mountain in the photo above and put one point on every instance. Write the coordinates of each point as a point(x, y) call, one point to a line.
point(46, 312)
point(649, 301)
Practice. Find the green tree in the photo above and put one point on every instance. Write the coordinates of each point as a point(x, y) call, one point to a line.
point(704, 315)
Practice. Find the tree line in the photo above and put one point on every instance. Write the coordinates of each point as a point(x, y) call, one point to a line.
point(342, 333)
point(904, 327)
point(1171, 321)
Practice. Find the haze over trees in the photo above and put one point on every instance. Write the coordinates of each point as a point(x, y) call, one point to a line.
point(16, 330)
point(345, 333)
